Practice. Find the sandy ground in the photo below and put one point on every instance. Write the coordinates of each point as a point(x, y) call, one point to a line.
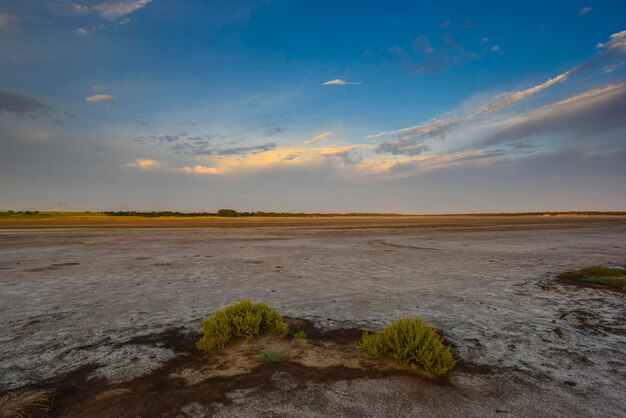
point(90, 303)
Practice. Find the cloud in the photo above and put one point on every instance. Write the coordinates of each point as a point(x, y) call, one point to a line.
point(410, 141)
point(116, 9)
point(583, 11)
point(425, 57)
point(339, 82)
point(82, 31)
point(300, 157)
point(20, 104)
point(616, 43)
point(246, 150)
point(144, 164)
point(508, 98)
point(587, 115)
point(273, 130)
point(99, 98)
point(200, 169)
point(416, 140)
point(495, 49)
point(319, 137)
point(80, 9)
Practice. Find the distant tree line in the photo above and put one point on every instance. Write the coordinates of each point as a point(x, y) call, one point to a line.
point(231, 213)
point(158, 214)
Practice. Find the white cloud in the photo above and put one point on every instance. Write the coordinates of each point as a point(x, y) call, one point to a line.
point(8, 21)
point(144, 164)
point(317, 138)
point(509, 98)
point(80, 9)
point(591, 93)
point(82, 31)
point(339, 82)
point(495, 49)
point(99, 98)
point(617, 42)
point(611, 67)
point(583, 11)
point(116, 9)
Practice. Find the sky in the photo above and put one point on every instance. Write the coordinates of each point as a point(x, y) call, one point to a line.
point(313, 106)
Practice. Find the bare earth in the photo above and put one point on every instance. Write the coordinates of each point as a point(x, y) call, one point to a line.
point(107, 316)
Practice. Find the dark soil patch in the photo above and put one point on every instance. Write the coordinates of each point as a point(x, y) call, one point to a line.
point(164, 392)
point(56, 266)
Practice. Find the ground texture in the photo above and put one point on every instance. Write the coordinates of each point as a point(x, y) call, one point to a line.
point(107, 316)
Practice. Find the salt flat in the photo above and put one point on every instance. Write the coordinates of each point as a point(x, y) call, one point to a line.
point(79, 298)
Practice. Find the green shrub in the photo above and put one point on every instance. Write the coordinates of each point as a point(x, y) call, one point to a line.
point(271, 357)
point(600, 275)
point(243, 319)
point(410, 342)
point(300, 335)
point(601, 271)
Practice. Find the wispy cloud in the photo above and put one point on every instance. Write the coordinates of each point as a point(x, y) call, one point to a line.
point(319, 137)
point(272, 129)
point(199, 169)
point(509, 98)
point(409, 141)
point(339, 82)
point(427, 57)
point(419, 139)
point(18, 103)
point(300, 157)
point(617, 42)
point(80, 9)
point(145, 164)
point(583, 11)
point(117, 9)
point(99, 98)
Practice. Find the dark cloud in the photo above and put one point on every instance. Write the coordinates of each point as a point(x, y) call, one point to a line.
point(273, 129)
point(246, 150)
point(587, 118)
point(427, 57)
point(411, 141)
point(21, 104)
point(410, 148)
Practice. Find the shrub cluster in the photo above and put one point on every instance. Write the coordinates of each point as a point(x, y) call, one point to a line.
point(599, 275)
point(243, 319)
point(410, 342)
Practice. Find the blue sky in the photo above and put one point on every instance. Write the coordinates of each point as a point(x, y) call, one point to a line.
point(414, 107)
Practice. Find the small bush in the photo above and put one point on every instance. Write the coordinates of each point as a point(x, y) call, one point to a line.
point(271, 357)
point(411, 342)
point(300, 335)
point(243, 319)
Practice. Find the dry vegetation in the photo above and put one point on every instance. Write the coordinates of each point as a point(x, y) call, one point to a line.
point(26, 404)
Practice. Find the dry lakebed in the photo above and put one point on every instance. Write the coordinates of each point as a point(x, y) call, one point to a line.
point(103, 318)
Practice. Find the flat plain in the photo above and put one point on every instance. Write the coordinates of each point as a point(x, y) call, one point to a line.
point(105, 312)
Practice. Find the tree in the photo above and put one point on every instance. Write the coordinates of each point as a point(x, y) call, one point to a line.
point(230, 213)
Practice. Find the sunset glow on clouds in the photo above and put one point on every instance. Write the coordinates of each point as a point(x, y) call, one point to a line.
point(392, 113)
